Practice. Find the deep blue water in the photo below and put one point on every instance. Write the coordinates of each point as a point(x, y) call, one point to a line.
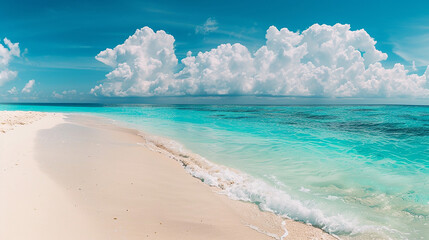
point(351, 170)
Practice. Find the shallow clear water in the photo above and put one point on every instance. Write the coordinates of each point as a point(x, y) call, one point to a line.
point(351, 170)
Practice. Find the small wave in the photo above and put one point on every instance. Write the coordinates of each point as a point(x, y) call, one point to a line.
point(275, 236)
point(240, 186)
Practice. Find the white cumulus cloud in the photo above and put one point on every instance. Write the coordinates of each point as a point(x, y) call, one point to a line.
point(28, 86)
point(323, 61)
point(7, 51)
point(13, 91)
point(143, 65)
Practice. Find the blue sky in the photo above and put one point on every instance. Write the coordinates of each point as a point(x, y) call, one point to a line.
point(60, 39)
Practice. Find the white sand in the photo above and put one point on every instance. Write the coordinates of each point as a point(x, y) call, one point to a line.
point(80, 178)
point(9, 120)
point(32, 205)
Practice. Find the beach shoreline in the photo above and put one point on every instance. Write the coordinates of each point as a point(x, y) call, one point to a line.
point(107, 184)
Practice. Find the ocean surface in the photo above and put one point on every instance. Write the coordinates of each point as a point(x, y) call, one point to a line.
point(357, 171)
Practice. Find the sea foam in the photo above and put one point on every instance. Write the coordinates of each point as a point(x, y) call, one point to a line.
point(241, 186)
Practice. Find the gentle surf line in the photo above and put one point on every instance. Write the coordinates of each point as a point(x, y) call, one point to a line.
point(275, 236)
point(240, 186)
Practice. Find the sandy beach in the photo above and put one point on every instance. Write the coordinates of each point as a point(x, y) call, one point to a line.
point(78, 177)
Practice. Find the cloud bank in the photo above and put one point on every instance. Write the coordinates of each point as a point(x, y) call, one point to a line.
point(322, 61)
point(7, 51)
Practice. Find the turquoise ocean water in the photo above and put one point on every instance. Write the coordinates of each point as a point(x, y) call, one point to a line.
point(355, 171)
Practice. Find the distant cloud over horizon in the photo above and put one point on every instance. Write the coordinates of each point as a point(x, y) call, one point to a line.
point(7, 52)
point(322, 61)
point(63, 93)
